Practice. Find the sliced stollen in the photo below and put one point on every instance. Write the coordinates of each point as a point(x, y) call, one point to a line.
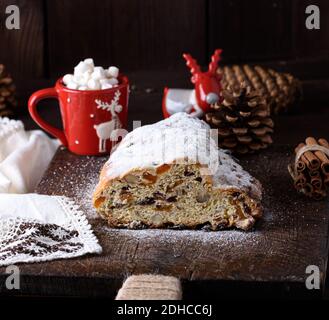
point(172, 174)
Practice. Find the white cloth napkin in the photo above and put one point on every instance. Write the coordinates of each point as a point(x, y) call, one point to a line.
point(24, 156)
point(36, 228)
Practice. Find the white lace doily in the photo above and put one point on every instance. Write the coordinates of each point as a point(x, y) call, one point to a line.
point(32, 235)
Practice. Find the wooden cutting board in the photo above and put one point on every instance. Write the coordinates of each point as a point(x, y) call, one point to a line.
point(292, 235)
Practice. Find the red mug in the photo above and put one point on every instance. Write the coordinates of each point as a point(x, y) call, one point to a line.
point(89, 116)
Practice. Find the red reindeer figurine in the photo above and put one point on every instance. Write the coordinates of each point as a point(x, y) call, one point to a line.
point(206, 90)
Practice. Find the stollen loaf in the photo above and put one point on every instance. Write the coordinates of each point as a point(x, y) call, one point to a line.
point(172, 174)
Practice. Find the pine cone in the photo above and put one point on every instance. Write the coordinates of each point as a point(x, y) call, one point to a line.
point(242, 119)
point(281, 90)
point(7, 94)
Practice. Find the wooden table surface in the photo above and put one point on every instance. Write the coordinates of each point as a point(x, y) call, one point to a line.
point(270, 260)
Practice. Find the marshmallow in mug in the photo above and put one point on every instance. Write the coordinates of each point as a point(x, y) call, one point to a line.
point(88, 77)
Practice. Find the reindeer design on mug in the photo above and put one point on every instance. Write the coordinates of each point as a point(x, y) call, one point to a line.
point(106, 130)
point(205, 93)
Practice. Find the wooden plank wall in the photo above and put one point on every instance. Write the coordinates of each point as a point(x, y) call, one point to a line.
point(22, 51)
point(133, 34)
point(152, 34)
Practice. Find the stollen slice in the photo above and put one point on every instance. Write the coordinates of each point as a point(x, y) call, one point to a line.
point(172, 174)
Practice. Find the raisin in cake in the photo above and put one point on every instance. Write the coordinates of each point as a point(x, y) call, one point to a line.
point(172, 174)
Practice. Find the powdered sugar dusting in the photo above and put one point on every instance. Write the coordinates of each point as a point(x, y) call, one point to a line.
point(178, 138)
point(230, 174)
point(75, 179)
point(85, 197)
point(162, 236)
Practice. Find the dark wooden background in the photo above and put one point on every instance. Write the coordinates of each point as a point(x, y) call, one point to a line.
point(152, 34)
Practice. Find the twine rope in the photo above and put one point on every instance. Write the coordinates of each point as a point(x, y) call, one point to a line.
point(150, 287)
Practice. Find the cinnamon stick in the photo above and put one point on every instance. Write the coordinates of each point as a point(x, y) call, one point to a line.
point(323, 142)
point(308, 188)
point(314, 173)
point(316, 182)
point(301, 164)
point(311, 172)
point(300, 182)
point(310, 156)
point(299, 179)
point(323, 157)
point(310, 160)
